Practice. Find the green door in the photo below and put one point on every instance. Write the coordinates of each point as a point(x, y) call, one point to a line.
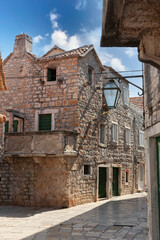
point(158, 174)
point(102, 182)
point(115, 182)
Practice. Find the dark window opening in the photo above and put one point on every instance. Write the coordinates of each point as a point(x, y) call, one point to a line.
point(127, 176)
point(86, 169)
point(90, 71)
point(45, 122)
point(51, 75)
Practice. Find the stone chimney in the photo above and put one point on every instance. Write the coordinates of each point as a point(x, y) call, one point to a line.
point(23, 44)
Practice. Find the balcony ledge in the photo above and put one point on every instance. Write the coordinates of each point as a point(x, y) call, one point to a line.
point(46, 144)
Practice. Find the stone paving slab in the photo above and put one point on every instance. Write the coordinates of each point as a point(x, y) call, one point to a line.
point(122, 217)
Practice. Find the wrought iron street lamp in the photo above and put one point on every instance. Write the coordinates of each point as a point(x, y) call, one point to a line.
point(111, 93)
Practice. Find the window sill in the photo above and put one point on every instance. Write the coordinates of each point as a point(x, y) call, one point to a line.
point(127, 146)
point(141, 146)
point(114, 143)
point(50, 82)
point(86, 176)
point(102, 145)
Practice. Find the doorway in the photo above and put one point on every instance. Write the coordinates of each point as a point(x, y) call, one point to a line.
point(102, 182)
point(140, 177)
point(115, 191)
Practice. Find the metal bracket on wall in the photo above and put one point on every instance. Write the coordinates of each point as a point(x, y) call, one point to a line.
point(120, 80)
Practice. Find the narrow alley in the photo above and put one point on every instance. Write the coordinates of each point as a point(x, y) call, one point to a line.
point(123, 217)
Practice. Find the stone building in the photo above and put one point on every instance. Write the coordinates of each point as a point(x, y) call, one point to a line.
point(136, 24)
point(3, 86)
point(61, 145)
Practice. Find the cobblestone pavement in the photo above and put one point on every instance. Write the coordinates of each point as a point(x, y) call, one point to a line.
point(122, 217)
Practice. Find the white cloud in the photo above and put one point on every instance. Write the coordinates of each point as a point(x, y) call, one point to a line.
point(47, 34)
point(131, 52)
point(37, 39)
point(61, 39)
point(53, 18)
point(65, 41)
point(80, 5)
point(117, 64)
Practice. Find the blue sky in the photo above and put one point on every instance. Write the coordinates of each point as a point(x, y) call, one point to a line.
point(65, 23)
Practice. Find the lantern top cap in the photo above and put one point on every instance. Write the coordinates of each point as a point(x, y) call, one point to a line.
point(111, 85)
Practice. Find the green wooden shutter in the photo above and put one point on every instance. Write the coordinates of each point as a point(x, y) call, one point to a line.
point(44, 122)
point(15, 126)
point(7, 127)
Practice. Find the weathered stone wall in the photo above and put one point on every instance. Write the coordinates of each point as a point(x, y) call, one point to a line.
point(26, 183)
point(77, 105)
point(84, 187)
point(152, 96)
point(6, 182)
point(26, 93)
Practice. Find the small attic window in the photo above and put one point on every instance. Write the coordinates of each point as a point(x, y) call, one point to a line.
point(90, 75)
point(51, 74)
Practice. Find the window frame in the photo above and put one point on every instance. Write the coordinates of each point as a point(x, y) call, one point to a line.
point(103, 144)
point(112, 133)
point(126, 177)
point(45, 111)
point(51, 69)
point(89, 168)
point(140, 134)
point(18, 125)
point(91, 74)
point(127, 143)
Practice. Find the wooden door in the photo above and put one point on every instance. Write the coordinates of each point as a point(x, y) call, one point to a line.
point(102, 182)
point(140, 178)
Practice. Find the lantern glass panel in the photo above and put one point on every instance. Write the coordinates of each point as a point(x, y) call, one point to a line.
point(110, 96)
point(118, 95)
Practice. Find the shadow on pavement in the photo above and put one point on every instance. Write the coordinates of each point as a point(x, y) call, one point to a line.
point(125, 219)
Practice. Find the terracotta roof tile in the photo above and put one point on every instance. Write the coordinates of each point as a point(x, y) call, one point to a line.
point(138, 101)
point(72, 53)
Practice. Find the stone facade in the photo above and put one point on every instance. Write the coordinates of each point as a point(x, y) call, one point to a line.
point(152, 134)
point(62, 167)
point(136, 24)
